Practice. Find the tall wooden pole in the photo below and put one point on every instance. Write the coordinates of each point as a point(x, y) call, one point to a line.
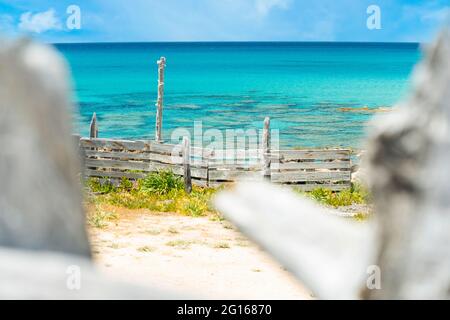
point(266, 148)
point(159, 103)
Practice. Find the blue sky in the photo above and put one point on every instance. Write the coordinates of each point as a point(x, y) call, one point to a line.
point(224, 20)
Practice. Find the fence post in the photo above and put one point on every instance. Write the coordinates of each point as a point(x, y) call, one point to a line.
point(266, 148)
point(159, 103)
point(208, 161)
point(93, 134)
point(187, 165)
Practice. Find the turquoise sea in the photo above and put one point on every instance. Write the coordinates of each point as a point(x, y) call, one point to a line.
point(303, 87)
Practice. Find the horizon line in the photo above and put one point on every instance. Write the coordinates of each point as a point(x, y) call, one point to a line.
point(239, 41)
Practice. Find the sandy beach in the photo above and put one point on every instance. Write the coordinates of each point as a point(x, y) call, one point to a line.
point(197, 256)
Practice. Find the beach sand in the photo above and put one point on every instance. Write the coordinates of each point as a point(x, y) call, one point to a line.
point(200, 257)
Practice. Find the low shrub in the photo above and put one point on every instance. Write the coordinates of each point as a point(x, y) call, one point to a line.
point(161, 182)
point(160, 191)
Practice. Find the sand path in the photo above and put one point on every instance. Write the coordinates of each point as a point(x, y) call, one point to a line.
point(199, 256)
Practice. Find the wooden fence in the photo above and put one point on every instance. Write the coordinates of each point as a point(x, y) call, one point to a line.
point(308, 169)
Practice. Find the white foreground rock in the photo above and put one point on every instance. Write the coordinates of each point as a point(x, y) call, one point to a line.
point(409, 173)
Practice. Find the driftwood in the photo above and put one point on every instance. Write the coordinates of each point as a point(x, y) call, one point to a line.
point(47, 275)
point(40, 199)
point(42, 225)
point(409, 171)
point(44, 250)
point(326, 252)
point(403, 252)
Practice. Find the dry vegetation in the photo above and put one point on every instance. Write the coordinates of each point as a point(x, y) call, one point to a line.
point(163, 192)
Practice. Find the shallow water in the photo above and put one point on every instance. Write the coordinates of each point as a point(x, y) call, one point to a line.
point(301, 86)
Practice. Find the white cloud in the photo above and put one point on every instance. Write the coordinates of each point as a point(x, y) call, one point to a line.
point(39, 22)
point(263, 7)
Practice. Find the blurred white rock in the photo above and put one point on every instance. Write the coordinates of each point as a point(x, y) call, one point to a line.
point(408, 157)
point(42, 224)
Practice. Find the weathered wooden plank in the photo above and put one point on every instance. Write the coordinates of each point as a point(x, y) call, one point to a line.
point(177, 149)
point(196, 172)
point(326, 154)
point(144, 146)
point(113, 174)
point(235, 162)
point(116, 164)
point(310, 176)
point(119, 155)
point(234, 175)
point(164, 158)
point(313, 186)
point(236, 166)
point(164, 148)
point(237, 154)
point(129, 145)
point(138, 145)
point(311, 165)
point(142, 156)
point(151, 146)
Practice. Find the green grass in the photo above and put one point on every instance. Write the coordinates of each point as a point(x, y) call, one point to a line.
point(146, 249)
point(97, 186)
point(173, 230)
point(163, 191)
point(222, 245)
point(153, 232)
point(357, 194)
point(360, 216)
point(180, 244)
point(99, 218)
